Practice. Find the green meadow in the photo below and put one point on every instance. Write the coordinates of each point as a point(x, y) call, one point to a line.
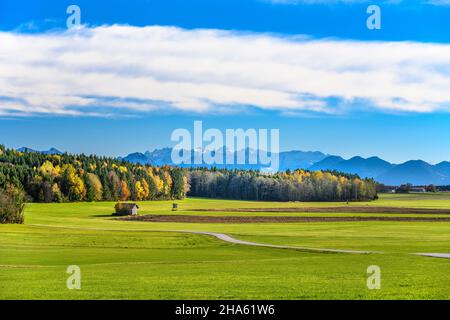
point(159, 260)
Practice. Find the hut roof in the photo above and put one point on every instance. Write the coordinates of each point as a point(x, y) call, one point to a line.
point(129, 206)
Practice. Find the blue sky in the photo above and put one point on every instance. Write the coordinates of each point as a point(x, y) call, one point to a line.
point(312, 70)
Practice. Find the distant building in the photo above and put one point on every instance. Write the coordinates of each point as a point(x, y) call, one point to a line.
point(417, 189)
point(126, 209)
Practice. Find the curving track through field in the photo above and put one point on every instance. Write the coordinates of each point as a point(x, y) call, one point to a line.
point(229, 239)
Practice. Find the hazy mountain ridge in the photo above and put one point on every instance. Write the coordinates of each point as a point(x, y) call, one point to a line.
point(288, 160)
point(416, 172)
point(371, 167)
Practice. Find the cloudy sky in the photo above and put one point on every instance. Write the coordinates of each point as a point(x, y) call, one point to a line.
point(132, 73)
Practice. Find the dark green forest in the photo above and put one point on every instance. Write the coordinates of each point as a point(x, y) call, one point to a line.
point(298, 185)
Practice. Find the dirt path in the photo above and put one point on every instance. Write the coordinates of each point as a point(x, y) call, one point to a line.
point(435, 255)
point(220, 236)
point(227, 238)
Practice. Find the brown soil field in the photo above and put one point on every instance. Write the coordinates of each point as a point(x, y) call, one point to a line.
point(266, 219)
point(343, 209)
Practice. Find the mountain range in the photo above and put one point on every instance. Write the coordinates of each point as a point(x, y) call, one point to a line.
point(288, 160)
point(416, 172)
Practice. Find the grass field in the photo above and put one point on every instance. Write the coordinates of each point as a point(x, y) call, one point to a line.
point(148, 260)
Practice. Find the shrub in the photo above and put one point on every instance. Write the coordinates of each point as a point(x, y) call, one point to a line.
point(119, 208)
point(12, 203)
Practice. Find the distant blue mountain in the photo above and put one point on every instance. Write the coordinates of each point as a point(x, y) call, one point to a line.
point(365, 168)
point(300, 159)
point(159, 156)
point(328, 163)
point(137, 158)
point(417, 172)
point(444, 167)
point(288, 160)
point(49, 151)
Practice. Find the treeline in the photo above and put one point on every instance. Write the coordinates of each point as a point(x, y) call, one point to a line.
point(409, 187)
point(67, 178)
point(64, 178)
point(298, 185)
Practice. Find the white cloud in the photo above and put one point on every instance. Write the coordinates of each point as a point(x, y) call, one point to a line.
point(438, 2)
point(122, 70)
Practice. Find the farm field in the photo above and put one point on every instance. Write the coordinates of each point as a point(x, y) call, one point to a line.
point(159, 260)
